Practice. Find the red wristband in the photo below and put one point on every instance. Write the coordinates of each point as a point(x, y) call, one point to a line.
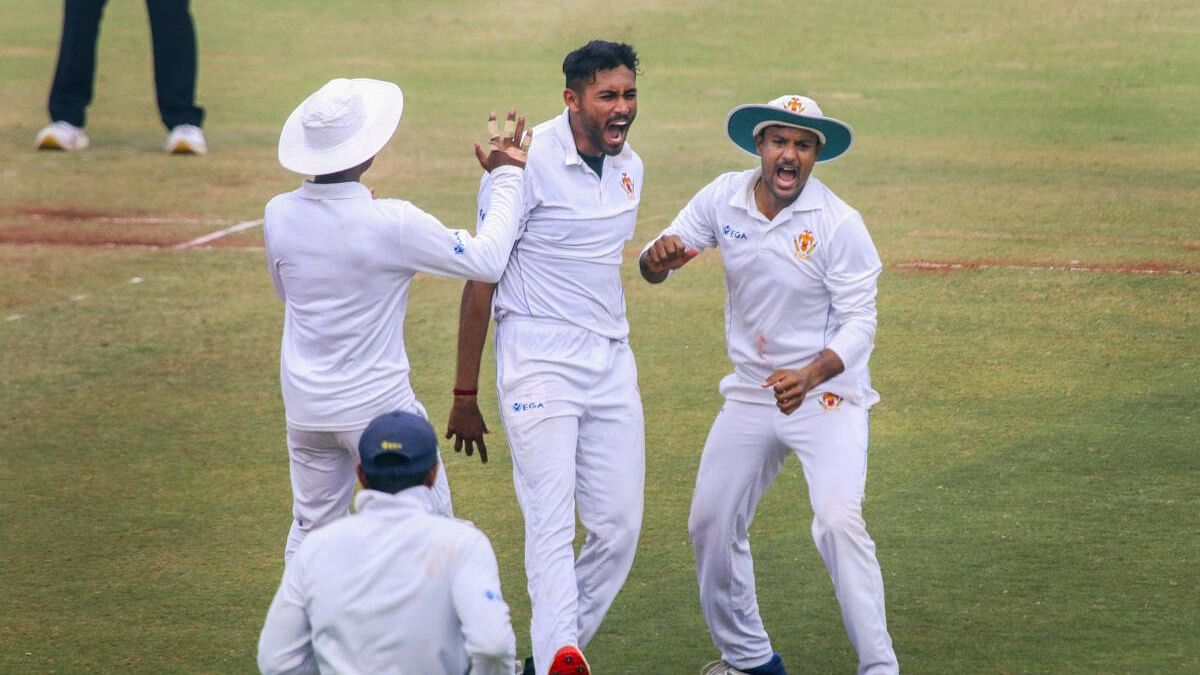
point(465, 392)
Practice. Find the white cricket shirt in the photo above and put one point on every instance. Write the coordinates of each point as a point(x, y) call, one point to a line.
point(566, 264)
point(343, 262)
point(393, 588)
point(796, 285)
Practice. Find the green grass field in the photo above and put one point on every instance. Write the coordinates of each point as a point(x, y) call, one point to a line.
point(1035, 474)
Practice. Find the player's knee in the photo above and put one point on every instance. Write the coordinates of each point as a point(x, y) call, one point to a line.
point(705, 524)
point(626, 529)
point(837, 517)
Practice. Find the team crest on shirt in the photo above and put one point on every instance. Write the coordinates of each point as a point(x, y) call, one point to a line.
point(794, 104)
point(829, 401)
point(804, 244)
point(627, 185)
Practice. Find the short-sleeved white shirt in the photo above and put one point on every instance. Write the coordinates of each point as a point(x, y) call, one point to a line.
point(393, 588)
point(566, 263)
point(343, 263)
point(798, 284)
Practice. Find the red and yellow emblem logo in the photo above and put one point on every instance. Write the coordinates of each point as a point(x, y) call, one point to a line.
point(829, 401)
point(627, 184)
point(794, 104)
point(804, 243)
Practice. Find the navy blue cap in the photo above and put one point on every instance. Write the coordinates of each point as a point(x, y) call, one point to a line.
point(397, 450)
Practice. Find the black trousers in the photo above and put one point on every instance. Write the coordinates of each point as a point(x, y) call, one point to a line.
point(174, 38)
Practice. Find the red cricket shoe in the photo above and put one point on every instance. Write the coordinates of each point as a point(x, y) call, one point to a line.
point(569, 661)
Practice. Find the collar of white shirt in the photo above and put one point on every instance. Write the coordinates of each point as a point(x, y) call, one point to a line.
point(417, 499)
point(344, 190)
point(809, 199)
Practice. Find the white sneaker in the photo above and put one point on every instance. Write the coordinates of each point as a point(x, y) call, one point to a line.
point(186, 139)
point(721, 667)
point(62, 136)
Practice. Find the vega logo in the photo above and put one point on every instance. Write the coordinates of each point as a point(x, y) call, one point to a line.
point(459, 247)
point(734, 234)
point(522, 407)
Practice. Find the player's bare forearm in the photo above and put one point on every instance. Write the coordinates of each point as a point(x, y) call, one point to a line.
point(466, 424)
point(474, 314)
point(792, 385)
point(667, 253)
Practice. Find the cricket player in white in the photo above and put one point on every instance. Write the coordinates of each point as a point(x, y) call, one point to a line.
point(342, 262)
point(565, 374)
point(800, 271)
point(395, 588)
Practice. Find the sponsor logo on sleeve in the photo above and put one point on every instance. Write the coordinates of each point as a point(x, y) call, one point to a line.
point(519, 407)
point(459, 247)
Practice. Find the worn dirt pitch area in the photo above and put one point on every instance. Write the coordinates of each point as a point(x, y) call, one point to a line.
point(72, 226)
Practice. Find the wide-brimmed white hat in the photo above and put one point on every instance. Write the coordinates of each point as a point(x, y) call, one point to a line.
point(341, 125)
point(801, 112)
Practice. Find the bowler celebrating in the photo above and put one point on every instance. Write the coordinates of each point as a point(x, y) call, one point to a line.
point(564, 370)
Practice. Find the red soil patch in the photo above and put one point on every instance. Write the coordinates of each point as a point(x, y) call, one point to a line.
point(1185, 244)
point(1148, 267)
point(87, 227)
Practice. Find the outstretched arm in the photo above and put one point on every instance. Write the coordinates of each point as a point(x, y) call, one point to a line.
point(466, 423)
point(424, 244)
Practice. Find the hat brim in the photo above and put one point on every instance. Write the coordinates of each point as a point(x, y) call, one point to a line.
point(383, 102)
point(744, 119)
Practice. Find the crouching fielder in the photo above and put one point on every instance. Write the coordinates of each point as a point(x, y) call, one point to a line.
point(801, 270)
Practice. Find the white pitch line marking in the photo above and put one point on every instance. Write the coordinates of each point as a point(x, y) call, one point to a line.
point(14, 317)
point(213, 236)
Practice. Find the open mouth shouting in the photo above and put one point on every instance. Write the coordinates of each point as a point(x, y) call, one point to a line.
point(615, 131)
point(786, 179)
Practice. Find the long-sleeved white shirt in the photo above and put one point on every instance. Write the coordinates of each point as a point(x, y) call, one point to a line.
point(798, 284)
point(394, 588)
point(343, 262)
point(566, 264)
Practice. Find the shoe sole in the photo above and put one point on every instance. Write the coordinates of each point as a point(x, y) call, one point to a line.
point(50, 143)
point(571, 663)
point(184, 148)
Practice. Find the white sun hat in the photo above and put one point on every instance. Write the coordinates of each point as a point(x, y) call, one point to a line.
point(341, 125)
point(801, 112)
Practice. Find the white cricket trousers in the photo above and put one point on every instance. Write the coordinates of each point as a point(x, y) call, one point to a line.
point(573, 416)
point(745, 450)
point(324, 473)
